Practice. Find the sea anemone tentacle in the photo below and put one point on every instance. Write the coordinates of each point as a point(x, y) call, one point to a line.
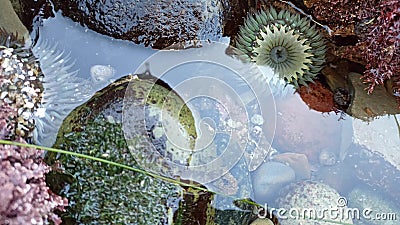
point(63, 91)
point(284, 41)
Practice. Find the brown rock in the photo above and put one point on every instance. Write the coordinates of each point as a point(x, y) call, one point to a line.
point(368, 106)
point(298, 162)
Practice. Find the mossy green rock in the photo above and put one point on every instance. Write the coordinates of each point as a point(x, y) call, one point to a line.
point(100, 193)
point(146, 90)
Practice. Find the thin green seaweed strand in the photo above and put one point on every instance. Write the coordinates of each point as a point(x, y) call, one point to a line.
point(5, 142)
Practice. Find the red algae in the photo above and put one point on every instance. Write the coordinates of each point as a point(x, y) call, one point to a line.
point(317, 97)
point(376, 26)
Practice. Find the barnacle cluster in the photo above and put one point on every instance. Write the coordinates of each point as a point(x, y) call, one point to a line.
point(20, 82)
point(284, 41)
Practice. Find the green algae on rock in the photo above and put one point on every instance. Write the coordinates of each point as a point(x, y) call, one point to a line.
point(102, 193)
point(149, 95)
point(106, 194)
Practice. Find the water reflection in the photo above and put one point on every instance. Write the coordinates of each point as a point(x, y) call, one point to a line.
point(89, 48)
point(315, 146)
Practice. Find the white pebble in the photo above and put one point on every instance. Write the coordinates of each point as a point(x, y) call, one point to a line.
point(40, 112)
point(101, 73)
point(29, 105)
point(257, 119)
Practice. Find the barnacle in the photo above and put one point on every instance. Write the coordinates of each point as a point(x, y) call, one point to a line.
point(286, 42)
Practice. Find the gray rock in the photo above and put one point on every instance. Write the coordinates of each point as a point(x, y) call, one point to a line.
point(380, 135)
point(269, 178)
point(310, 203)
point(367, 106)
point(157, 23)
point(374, 208)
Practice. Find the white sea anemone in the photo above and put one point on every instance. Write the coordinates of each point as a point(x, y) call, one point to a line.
point(62, 92)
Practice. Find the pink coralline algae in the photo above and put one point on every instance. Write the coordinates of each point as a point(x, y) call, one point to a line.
point(377, 27)
point(383, 47)
point(25, 197)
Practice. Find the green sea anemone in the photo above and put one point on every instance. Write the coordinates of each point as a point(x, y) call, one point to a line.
point(286, 42)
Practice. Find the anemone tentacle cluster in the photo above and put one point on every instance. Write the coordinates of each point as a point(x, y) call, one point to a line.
point(286, 42)
point(63, 91)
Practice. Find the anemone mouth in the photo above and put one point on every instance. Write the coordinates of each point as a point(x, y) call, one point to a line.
point(286, 42)
point(284, 51)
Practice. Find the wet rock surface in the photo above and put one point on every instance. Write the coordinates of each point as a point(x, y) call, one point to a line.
point(298, 162)
point(269, 178)
point(372, 169)
point(340, 176)
point(381, 136)
point(367, 106)
point(310, 195)
point(103, 193)
point(380, 210)
point(159, 23)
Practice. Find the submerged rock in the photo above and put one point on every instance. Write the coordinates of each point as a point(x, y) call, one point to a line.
point(298, 162)
point(103, 193)
point(380, 135)
point(373, 207)
point(269, 178)
point(106, 194)
point(309, 203)
point(152, 115)
point(159, 23)
point(373, 169)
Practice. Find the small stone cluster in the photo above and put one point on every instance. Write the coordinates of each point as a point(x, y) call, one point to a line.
point(20, 84)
